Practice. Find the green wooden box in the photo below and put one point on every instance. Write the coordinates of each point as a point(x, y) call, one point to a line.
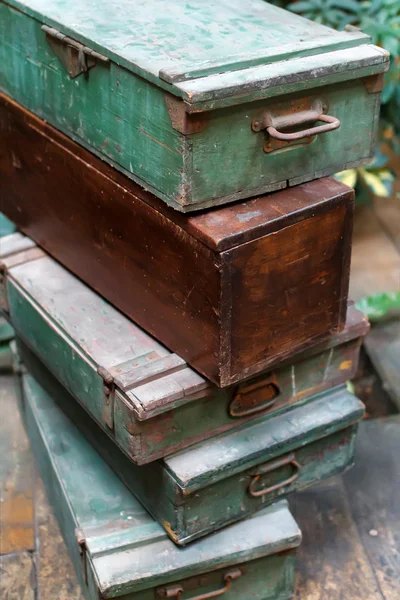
point(146, 398)
point(6, 226)
point(6, 337)
point(228, 478)
point(119, 551)
point(6, 331)
point(202, 103)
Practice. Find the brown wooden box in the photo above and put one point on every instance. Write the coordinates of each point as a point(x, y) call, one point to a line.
point(231, 290)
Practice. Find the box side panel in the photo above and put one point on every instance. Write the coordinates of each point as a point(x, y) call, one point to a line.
point(201, 419)
point(229, 160)
point(135, 257)
point(55, 492)
point(270, 578)
point(230, 500)
point(150, 484)
point(289, 289)
point(109, 109)
point(67, 364)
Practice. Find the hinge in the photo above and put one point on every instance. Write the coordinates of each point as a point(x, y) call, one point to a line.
point(108, 388)
point(80, 538)
point(74, 56)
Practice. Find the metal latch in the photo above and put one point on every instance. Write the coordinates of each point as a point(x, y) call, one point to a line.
point(109, 389)
point(80, 538)
point(74, 56)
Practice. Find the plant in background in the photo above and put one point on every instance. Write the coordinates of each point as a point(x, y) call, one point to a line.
point(375, 179)
point(334, 13)
point(381, 20)
point(380, 306)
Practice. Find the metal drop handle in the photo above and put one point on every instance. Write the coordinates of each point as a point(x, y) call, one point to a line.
point(274, 124)
point(176, 591)
point(331, 124)
point(254, 398)
point(290, 459)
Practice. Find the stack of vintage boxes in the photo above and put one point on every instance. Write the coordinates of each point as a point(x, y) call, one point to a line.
point(109, 114)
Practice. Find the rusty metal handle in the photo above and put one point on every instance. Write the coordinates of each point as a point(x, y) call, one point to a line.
point(290, 459)
point(176, 591)
point(236, 410)
point(332, 123)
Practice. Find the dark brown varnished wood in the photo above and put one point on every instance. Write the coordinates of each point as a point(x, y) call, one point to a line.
point(231, 290)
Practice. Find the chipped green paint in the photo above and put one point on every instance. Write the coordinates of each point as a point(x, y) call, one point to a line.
point(119, 539)
point(206, 487)
point(156, 404)
point(6, 226)
point(227, 60)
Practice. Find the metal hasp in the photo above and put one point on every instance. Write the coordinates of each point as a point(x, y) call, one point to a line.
point(274, 124)
point(74, 56)
point(175, 591)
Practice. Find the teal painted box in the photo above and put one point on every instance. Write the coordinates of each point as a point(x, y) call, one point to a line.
point(201, 103)
point(119, 551)
point(6, 331)
point(146, 398)
point(6, 226)
point(236, 474)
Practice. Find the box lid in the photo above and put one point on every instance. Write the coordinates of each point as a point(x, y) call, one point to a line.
point(152, 379)
point(13, 243)
point(207, 49)
point(119, 536)
point(229, 454)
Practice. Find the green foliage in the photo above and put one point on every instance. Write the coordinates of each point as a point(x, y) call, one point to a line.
point(334, 13)
point(378, 18)
point(373, 180)
point(380, 306)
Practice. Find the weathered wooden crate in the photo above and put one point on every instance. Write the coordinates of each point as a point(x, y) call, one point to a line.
point(225, 479)
point(201, 104)
point(260, 280)
point(117, 548)
point(146, 398)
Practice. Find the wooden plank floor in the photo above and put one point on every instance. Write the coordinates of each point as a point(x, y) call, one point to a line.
point(350, 524)
point(34, 563)
point(375, 268)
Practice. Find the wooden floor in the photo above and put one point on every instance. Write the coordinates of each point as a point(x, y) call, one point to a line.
point(351, 524)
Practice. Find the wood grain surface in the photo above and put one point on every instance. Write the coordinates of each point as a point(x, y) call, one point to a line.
point(16, 476)
point(279, 275)
point(350, 525)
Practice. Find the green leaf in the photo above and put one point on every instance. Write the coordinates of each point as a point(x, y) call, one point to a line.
point(375, 6)
point(348, 177)
point(349, 5)
point(334, 16)
point(388, 91)
point(300, 7)
point(380, 306)
point(379, 182)
point(391, 44)
point(379, 161)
